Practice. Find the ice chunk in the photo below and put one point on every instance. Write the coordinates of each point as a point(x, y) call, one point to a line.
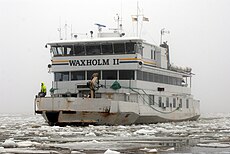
point(145, 149)
point(153, 151)
point(145, 132)
point(2, 150)
point(214, 145)
point(27, 144)
point(94, 141)
point(169, 149)
point(90, 134)
point(9, 144)
point(75, 152)
point(111, 152)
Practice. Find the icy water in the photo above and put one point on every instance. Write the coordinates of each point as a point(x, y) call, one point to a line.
point(31, 134)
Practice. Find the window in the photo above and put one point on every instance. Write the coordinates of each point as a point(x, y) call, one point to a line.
point(61, 76)
point(130, 48)
point(139, 75)
point(152, 54)
point(79, 50)
point(156, 78)
point(79, 75)
point(109, 75)
point(180, 105)
point(151, 99)
point(54, 51)
point(150, 77)
point(179, 81)
point(145, 76)
point(119, 48)
point(93, 49)
point(90, 73)
point(173, 81)
point(174, 102)
point(167, 102)
point(107, 49)
point(187, 103)
point(160, 101)
point(126, 75)
point(68, 50)
point(165, 79)
point(170, 80)
point(60, 50)
point(160, 78)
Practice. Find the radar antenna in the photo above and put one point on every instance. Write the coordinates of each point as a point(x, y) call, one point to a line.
point(99, 27)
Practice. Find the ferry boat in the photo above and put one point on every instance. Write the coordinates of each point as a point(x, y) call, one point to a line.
point(115, 80)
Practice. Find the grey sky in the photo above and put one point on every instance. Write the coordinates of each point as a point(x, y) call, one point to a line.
point(199, 38)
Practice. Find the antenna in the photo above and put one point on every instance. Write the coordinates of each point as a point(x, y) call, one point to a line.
point(66, 30)
point(59, 29)
point(137, 16)
point(163, 31)
point(118, 19)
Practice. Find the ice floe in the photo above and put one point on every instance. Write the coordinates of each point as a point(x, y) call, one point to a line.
point(20, 132)
point(111, 152)
point(9, 143)
point(214, 145)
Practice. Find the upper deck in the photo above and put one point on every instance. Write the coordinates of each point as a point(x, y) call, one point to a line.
point(109, 52)
point(128, 59)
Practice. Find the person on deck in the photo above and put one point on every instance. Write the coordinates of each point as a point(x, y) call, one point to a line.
point(43, 90)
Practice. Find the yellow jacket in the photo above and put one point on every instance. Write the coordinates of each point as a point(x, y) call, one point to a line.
point(43, 88)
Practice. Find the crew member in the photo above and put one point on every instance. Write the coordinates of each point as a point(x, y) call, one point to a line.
point(43, 90)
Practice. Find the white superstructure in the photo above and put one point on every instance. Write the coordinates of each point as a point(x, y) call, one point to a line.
point(137, 83)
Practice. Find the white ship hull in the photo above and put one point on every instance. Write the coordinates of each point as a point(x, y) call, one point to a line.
point(79, 111)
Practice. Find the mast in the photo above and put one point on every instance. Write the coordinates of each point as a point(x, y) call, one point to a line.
point(137, 18)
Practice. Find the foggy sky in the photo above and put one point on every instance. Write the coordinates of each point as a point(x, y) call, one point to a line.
point(199, 38)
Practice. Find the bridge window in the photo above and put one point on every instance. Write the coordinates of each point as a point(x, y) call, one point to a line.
point(119, 48)
point(126, 75)
point(54, 51)
point(61, 76)
point(68, 50)
point(79, 50)
point(57, 50)
point(130, 47)
point(93, 49)
point(107, 49)
point(109, 75)
point(78, 75)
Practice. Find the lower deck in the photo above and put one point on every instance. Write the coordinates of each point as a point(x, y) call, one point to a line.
point(69, 110)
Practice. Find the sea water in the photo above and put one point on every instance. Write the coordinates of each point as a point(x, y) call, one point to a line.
point(27, 133)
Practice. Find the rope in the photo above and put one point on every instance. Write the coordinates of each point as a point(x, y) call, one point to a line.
point(154, 102)
point(146, 101)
